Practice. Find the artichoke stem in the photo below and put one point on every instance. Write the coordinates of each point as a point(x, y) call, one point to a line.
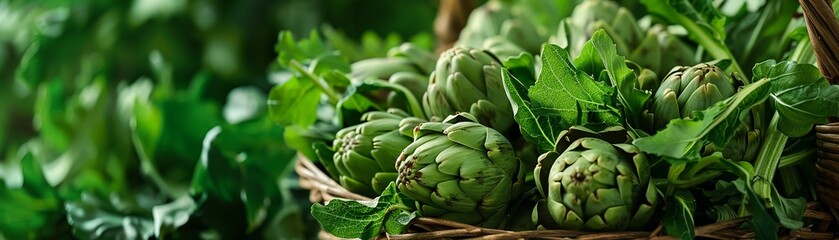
point(334, 98)
point(769, 158)
point(796, 158)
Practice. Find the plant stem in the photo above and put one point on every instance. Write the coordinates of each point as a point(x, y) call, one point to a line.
point(413, 103)
point(796, 158)
point(803, 52)
point(791, 181)
point(717, 49)
point(769, 158)
point(334, 98)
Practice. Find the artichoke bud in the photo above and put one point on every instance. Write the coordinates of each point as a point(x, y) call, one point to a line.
point(484, 22)
point(502, 48)
point(672, 82)
point(705, 96)
point(665, 108)
point(648, 53)
point(365, 154)
point(422, 58)
point(380, 68)
point(688, 89)
point(620, 42)
point(701, 74)
point(598, 182)
point(524, 34)
point(469, 80)
point(678, 53)
point(414, 82)
point(647, 80)
point(460, 170)
point(626, 27)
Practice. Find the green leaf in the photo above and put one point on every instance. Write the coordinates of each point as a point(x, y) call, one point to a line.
point(168, 132)
point(762, 223)
point(678, 217)
point(288, 48)
point(801, 96)
point(92, 218)
point(565, 92)
point(683, 139)
point(325, 157)
point(294, 102)
point(301, 139)
point(32, 207)
point(522, 67)
point(240, 164)
point(50, 115)
point(704, 23)
point(789, 211)
point(365, 219)
point(621, 77)
point(243, 104)
point(170, 216)
point(537, 129)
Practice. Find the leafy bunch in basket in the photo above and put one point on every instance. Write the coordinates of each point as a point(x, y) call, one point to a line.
point(615, 124)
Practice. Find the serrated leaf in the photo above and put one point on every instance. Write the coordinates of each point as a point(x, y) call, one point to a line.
point(364, 219)
point(562, 90)
point(620, 76)
point(538, 129)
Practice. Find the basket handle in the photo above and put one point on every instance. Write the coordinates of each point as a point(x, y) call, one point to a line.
point(824, 35)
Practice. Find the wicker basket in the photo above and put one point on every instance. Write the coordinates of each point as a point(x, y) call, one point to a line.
point(824, 34)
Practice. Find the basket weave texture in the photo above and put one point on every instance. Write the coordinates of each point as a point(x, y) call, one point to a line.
point(824, 34)
point(823, 30)
point(323, 188)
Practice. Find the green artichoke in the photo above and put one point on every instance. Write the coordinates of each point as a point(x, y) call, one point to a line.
point(469, 80)
point(688, 89)
point(595, 181)
point(652, 48)
point(510, 20)
point(406, 65)
point(460, 170)
point(365, 154)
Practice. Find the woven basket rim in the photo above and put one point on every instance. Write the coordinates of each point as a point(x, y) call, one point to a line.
point(323, 188)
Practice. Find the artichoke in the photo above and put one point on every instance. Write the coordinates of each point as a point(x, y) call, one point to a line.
point(406, 65)
point(652, 48)
point(595, 181)
point(365, 154)
point(469, 80)
point(460, 170)
point(688, 89)
point(510, 20)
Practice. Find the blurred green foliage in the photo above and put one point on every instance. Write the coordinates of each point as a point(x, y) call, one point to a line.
point(147, 118)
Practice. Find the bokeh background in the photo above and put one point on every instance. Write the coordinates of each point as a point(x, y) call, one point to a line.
point(137, 118)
